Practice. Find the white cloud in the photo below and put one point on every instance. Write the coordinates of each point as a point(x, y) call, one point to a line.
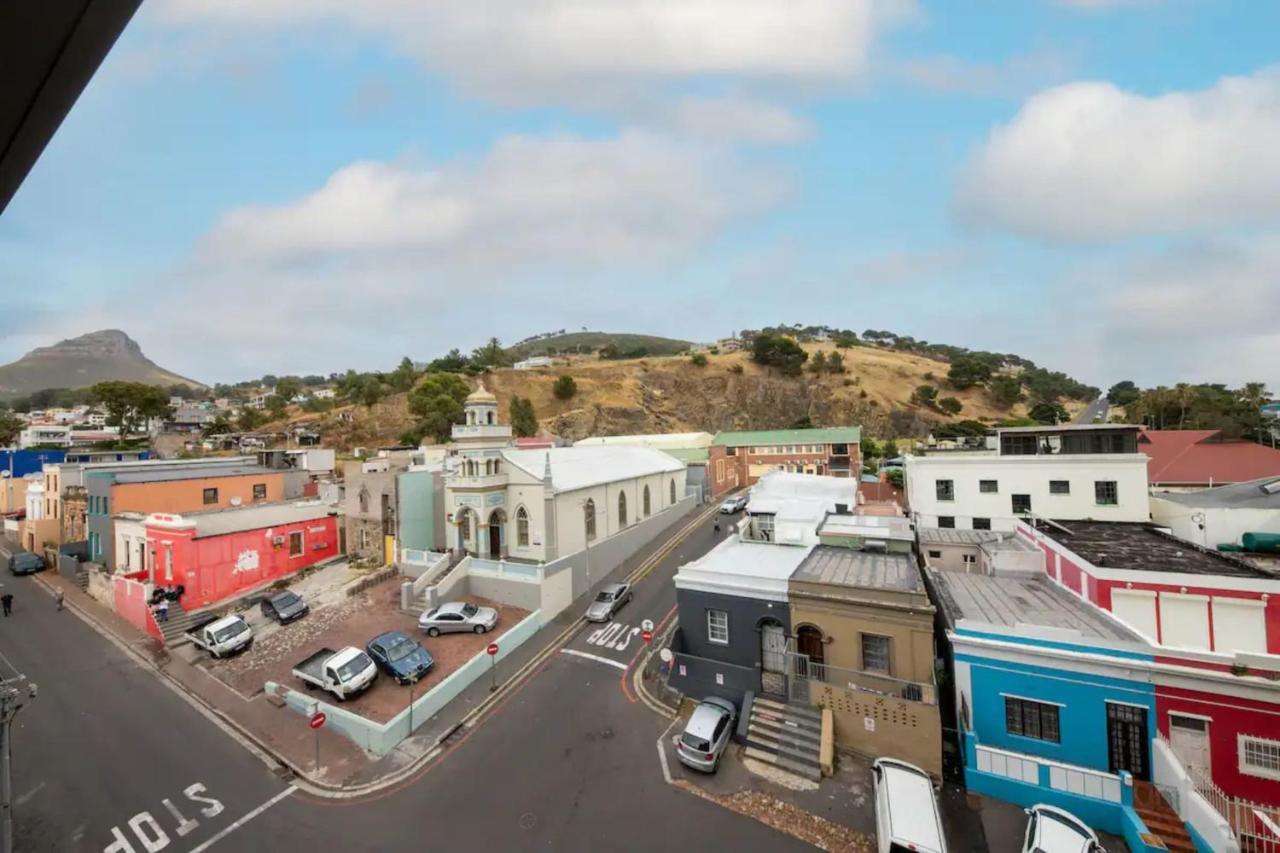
point(1018, 74)
point(570, 201)
point(1090, 161)
point(730, 119)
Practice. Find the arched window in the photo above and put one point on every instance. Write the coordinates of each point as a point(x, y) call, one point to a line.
point(364, 501)
point(491, 418)
point(464, 528)
point(471, 417)
point(622, 509)
point(646, 500)
point(589, 519)
point(522, 528)
point(673, 490)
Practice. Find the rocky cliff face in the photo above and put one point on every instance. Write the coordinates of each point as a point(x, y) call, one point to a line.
point(108, 354)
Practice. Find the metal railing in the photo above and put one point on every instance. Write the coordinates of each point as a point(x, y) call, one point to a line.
point(802, 669)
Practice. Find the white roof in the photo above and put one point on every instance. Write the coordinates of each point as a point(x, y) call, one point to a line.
point(873, 526)
point(660, 440)
point(748, 569)
point(784, 485)
point(579, 467)
point(252, 517)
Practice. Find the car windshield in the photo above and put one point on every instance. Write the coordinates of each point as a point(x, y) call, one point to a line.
point(695, 743)
point(353, 667)
point(400, 648)
point(230, 631)
point(287, 599)
point(470, 610)
point(605, 596)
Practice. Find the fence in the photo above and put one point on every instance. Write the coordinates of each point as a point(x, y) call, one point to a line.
point(1256, 826)
point(1202, 817)
point(801, 670)
point(432, 567)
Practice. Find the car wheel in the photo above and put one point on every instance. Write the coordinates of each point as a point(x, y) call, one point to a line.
point(479, 629)
point(433, 632)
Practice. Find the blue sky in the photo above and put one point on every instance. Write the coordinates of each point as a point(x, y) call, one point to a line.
point(275, 186)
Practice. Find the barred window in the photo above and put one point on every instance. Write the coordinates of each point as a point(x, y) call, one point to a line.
point(1259, 757)
point(718, 627)
point(875, 653)
point(1028, 718)
point(946, 489)
point(988, 487)
point(1106, 493)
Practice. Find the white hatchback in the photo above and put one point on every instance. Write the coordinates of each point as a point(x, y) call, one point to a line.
point(1051, 830)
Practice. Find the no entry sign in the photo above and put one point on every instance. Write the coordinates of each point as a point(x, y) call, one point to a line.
point(317, 720)
point(647, 636)
point(493, 649)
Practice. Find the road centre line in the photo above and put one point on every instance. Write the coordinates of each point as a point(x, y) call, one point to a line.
point(598, 658)
point(242, 821)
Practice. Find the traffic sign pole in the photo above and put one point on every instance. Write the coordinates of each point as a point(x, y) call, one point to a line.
point(493, 666)
point(317, 722)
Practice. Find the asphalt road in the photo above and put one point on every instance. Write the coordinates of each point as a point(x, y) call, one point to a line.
point(1097, 410)
point(567, 762)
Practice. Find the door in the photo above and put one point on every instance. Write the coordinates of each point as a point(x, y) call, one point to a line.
point(1189, 737)
point(773, 658)
point(1127, 741)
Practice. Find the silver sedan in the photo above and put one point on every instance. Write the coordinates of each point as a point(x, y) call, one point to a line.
point(458, 616)
point(608, 601)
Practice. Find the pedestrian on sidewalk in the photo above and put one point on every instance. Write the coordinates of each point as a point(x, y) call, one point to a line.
point(7, 601)
point(57, 599)
point(162, 610)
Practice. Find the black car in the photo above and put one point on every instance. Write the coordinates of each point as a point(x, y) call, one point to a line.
point(25, 563)
point(284, 607)
point(400, 656)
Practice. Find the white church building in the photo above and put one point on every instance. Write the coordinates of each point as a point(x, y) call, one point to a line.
point(539, 505)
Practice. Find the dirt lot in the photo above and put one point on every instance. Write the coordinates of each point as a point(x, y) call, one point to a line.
point(353, 623)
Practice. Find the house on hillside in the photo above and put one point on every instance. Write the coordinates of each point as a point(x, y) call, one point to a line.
point(1203, 458)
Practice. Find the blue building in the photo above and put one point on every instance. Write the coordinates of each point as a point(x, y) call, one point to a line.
point(1054, 699)
point(20, 463)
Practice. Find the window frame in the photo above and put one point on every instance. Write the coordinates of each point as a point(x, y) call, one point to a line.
point(949, 489)
point(985, 523)
point(994, 484)
point(1013, 504)
point(713, 630)
point(259, 491)
point(1243, 741)
point(1101, 486)
point(1054, 491)
point(302, 544)
point(1028, 709)
point(947, 522)
point(205, 494)
point(522, 527)
point(863, 637)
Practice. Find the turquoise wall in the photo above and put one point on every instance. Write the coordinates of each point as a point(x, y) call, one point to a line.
point(418, 508)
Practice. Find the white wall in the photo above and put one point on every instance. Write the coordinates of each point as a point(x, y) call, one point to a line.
point(128, 534)
point(1026, 475)
point(1221, 524)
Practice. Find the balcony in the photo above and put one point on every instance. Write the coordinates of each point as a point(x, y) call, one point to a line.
point(466, 431)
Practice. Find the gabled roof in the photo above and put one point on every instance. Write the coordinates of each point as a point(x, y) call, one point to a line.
point(1196, 456)
point(829, 435)
point(580, 467)
point(1263, 493)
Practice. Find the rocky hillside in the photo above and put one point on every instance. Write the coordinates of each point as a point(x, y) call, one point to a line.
point(671, 394)
point(79, 362)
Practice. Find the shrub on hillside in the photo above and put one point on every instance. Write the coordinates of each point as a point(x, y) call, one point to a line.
point(564, 388)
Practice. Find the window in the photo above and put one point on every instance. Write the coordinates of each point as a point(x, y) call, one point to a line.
point(1021, 504)
point(622, 509)
point(259, 491)
point(718, 627)
point(1028, 718)
point(589, 519)
point(646, 501)
point(1105, 493)
point(719, 477)
point(1059, 487)
point(522, 528)
point(295, 544)
point(946, 489)
point(988, 487)
point(875, 653)
point(970, 559)
point(210, 496)
point(982, 524)
point(364, 501)
point(673, 491)
point(1259, 757)
point(947, 521)
point(464, 529)
point(935, 555)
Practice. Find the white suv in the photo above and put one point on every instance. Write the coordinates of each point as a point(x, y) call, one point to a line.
point(1051, 830)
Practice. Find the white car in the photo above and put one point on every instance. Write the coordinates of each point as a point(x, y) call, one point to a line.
point(907, 816)
point(1051, 830)
point(732, 505)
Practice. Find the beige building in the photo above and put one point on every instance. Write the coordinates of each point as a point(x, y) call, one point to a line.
point(981, 552)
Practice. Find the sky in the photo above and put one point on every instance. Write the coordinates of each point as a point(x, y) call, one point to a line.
point(279, 186)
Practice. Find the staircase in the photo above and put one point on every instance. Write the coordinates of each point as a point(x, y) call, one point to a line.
point(1161, 820)
point(81, 579)
point(180, 622)
point(786, 736)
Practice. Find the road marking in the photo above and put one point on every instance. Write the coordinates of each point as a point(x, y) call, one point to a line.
point(242, 821)
point(598, 658)
point(662, 752)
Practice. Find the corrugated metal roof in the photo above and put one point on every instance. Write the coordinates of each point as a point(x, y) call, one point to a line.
point(866, 569)
point(688, 454)
point(1014, 600)
point(579, 467)
point(224, 521)
point(828, 435)
point(1250, 495)
point(185, 473)
point(1200, 456)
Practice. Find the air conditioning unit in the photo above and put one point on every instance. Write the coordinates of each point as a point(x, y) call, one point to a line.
point(277, 540)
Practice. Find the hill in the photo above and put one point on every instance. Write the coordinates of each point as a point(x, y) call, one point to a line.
point(672, 394)
point(79, 362)
point(622, 342)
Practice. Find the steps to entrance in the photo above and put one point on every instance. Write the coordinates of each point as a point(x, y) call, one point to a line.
point(786, 735)
point(82, 579)
point(179, 623)
point(1160, 818)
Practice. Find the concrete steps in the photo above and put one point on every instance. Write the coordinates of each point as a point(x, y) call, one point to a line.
point(180, 622)
point(1160, 818)
point(785, 735)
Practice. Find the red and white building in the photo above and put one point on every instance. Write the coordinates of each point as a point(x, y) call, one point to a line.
point(1201, 458)
point(221, 554)
point(1214, 624)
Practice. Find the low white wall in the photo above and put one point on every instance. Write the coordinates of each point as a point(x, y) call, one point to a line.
point(1194, 809)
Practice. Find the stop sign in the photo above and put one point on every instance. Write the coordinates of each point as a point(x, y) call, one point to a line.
point(647, 636)
point(317, 720)
point(493, 649)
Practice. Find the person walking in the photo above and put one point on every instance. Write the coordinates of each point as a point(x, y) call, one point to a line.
point(162, 610)
point(57, 599)
point(7, 601)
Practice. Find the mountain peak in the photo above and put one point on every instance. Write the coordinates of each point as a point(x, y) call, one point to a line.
point(102, 343)
point(101, 356)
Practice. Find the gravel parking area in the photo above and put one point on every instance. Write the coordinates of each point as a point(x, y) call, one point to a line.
point(354, 622)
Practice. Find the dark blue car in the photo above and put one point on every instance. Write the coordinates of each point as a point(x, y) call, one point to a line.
point(400, 656)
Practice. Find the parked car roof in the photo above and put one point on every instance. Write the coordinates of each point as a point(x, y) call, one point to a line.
point(702, 721)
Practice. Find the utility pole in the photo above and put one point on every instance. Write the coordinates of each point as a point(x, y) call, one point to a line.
point(10, 704)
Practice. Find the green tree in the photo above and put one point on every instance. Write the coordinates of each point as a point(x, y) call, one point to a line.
point(524, 422)
point(371, 391)
point(221, 425)
point(925, 395)
point(288, 388)
point(870, 448)
point(950, 405)
point(835, 363)
point(277, 407)
point(802, 422)
point(1005, 390)
point(10, 426)
point(780, 352)
point(890, 448)
point(403, 376)
point(967, 371)
point(129, 405)
point(453, 361)
point(249, 420)
point(1123, 393)
point(437, 402)
point(698, 359)
point(564, 388)
point(1048, 413)
point(818, 364)
point(492, 355)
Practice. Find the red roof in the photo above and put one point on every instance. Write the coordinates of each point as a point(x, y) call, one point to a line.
point(1203, 457)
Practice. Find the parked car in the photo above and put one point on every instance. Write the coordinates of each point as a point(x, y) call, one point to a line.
point(907, 815)
point(284, 607)
point(400, 656)
point(25, 563)
point(344, 673)
point(1052, 830)
point(734, 504)
point(706, 735)
point(456, 616)
point(221, 636)
point(608, 601)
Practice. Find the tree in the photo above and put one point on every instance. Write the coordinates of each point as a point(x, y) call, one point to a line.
point(221, 425)
point(492, 355)
point(1048, 413)
point(129, 405)
point(890, 448)
point(845, 340)
point(802, 422)
point(288, 388)
point(277, 407)
point(950, 405)
point(437, 402)
point(968, 371)
point(818, 364)
point(925, 395)
point(780, 352)
point(453, 360)
point(564, 388)
point(870, 449)
point(698, 359)
point(402, 377)
point(1005, 390)
point(835, 363)
point(524, 422)
point(894, 476)
point(249, 420)
point(10, 426)
point(371, 391)
point(1123, 393)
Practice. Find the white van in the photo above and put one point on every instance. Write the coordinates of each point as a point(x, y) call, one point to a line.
point(907, 819)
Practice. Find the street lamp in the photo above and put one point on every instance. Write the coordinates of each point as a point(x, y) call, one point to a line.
point(10, 704)
point(413, 681)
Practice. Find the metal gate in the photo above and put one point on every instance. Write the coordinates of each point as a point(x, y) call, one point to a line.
point(773, 659)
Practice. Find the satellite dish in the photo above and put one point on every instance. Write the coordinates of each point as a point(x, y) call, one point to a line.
point(235, 501)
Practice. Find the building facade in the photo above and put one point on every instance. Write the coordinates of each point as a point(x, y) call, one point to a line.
point(739, 459)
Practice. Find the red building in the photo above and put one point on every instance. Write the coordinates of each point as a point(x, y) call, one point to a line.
point(218, 555)
point(1201, 458)
point(738, 459)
